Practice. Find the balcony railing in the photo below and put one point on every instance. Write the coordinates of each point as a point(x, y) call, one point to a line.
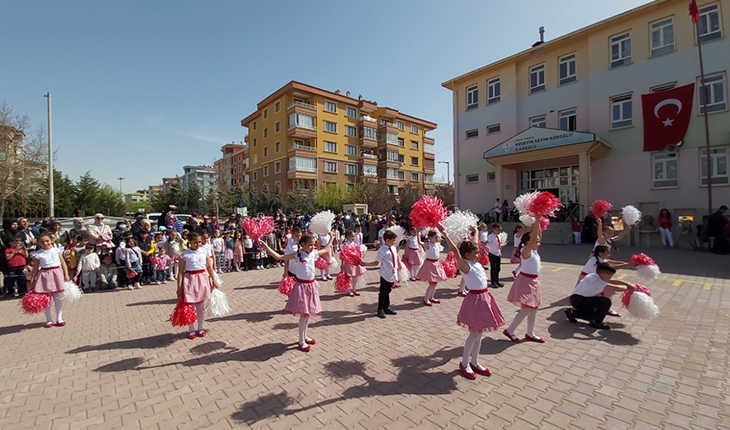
point(300, 147)
point(368, 119)
point(428, 148)
point(371, 156)
point(370, 171)
point(428, 179)
point(304, 105)
point(302, 125)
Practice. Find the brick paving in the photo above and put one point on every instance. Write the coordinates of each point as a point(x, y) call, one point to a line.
point(118, 364)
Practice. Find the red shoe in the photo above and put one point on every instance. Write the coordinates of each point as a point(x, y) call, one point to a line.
point(357, 294)
point(534, 339)
point(477, 368)
point(511, 337)
point(351, 294)
point(304, 348)
point(310, 341)
point(461, 293)
point(425, 303)
point(60, 323)
point(395, 286)
point(191, 335)
point(49, 324)
point(417, 278)
point(202, 333)
point(438, 302)
point(613, 313)
point(467, 374)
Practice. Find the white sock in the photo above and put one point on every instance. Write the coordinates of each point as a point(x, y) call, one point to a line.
point(303, 323)
point(531, 317)
point(327, 272)
point(474, 336)
point(47, 310)
point(321, 273)
point(58, 302)
point(200, 312)
point(518, 320)
point(475, 349)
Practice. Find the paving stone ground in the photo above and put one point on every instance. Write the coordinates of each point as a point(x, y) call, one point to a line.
point(118, 364)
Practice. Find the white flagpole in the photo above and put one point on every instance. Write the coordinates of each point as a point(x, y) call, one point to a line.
point(704, 88)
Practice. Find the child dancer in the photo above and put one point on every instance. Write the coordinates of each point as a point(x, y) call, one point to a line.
point(88, 268)
point(589, 299)
point(49, 275)
point(525, 291)
point(173, 251)
point(323, 241)
point(133, 258)
point(601, 254)
point(355, 272)
point(412, 256)
point(495, 255)
point(607, 238)
point(292, 246)
point(483, 246)
point(195, 282)
point(304, 297)
point(162, 266)
point(479, 311)
point(432, 270)
point(389, 262)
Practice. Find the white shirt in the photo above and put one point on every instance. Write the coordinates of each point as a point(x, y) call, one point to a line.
point(531, 265)
point(590, 266)
point(381, 233)
point(89, 262)
point(517, 240)
point(207, 248)
point(388, 258)
point(48, 257)
point(433, 251)
point(413, 242)
point(498, 207)
point(483, 235)
point(324, 240)
point(590, 286)
point(305, 269)
point(476, 279)
point(194, 260)
point(132, 254)
point(218, 244)
point(291, 248)
point(358, 238)
point(495, 247)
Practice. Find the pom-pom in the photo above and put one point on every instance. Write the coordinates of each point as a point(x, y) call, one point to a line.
point(527, 220)
point(503, 237)
point(363, 249)
point(251, 227)
point(642, 260)
point(334, 264)
point(639, 303)
point(218, 280)
point(71, 292)
point(630, 215)
point(321, 263)
point(183, 315)
point(646, 268)
point(484, 258)
point(404, 275)
point(399, 233)
point(457, 224)
point(351, 254)
point(428, 211)
point(544, 204)
point(544, 223)
point(342, 282)
point(218, 304)
point(360, 282)
point(522, 202)
point(266, 226)
point(600, 207)
point(450, 265)
point(35, 303)
point(258, 229)
point(286, 285)
point(322, 223)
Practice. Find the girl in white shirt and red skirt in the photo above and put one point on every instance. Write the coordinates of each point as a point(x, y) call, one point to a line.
point(48, 276)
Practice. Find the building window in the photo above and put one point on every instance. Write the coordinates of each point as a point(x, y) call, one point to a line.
point(401, 142)
point(494, 128)
point(472, 97)
point(568, 120)
point(414, 145)
point(401, 175)
point(414, 161)
point(277, 147)
point(351, 150)
point(414, 129)
point(352, 169)
point(266, 113)
point(620, 50)
point(254, 142)
point(566, 69)
point(537, 78)
point(470, 134)
point(277, 107)
point(472, 179)
point(265, 187)
point(256, 176)
point(266, 152)
point(491, 176)
point(622, 112)
point(494, 90)
point(330, 106)
point(415, 177)
point(266, 132)
point(351, 112)
point(277, 127)
point(708, 24)
point(663, 87)
point(255, 159)
point(539, 121)
point(254, 125)
point(351, 131)
point(718, 165)
point(400, 125)
point(330, 127)
point(277, 187)
point(266, 170)
point(391, 138)
point(330, 167)
point(301, 120)
point(712, 95)
point(330, 146)
point(369, 133)
point(662, 37)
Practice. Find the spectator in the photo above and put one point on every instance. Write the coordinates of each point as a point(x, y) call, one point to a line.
point(665, 228)
point(107, 273)
point(29, 239)
point(10, 231)
point(497, 210)
point(100, 234)
point(577, 227)
point(716, 227)
point(16, 257)
point(137, 226)
point(505, 210)
point(206, 226)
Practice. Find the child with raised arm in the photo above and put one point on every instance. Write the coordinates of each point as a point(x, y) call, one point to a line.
point(432, 270)
point(525, 291)
point(588, 299)
point(479, 311)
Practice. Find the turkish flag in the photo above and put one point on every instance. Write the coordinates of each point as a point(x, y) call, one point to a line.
point(694, 12)
point(666, 117)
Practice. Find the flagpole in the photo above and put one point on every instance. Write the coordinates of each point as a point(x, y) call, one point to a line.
point(707, 123)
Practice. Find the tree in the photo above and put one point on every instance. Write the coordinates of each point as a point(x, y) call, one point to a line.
point(376, 196)
point(331, 197)
point(446, 193)
point(87, 191)
point(301, 198)
point(408, 195)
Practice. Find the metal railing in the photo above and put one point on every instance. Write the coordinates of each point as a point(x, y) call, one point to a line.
point(300, 147)
point(304, 105)
point(428, 148)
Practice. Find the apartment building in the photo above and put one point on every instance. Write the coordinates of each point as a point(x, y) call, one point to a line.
point(205, 177)
point(309, 137)
point(567, 115)
point(224, 166)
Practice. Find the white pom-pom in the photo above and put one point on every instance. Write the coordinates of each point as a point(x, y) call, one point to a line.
point(630, 215)
point(399, 233)
point(321, 223)
point(648, 272)
point(71, 292)
point(218, 280)
point(334, 264)
point(360, 282)
point(642, 306)
point(503, 238)
point(457, 224)
point(363, 249)
point(404, 275)
point(523, 202)
point(527, 220)
point(218, 303)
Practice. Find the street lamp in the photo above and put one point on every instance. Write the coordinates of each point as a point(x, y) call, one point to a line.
point(50, 159)
point(120, 185)
point(448, 171)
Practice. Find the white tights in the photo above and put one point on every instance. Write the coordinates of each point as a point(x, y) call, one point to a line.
point(200, 312)
point(58, 301)
point(303, 324)
point(531, 314)
point(430, 292)
point(414, 271)
point(471, 349)
point(325, 273)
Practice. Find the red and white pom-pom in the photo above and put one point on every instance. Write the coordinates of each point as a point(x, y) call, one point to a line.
point(399, 233)
point(522, 202)
point(544, 223)
point(428, 211)
point(342, 282)
point(484, 258)
point(527, 220)
point(404, 275)
point(351, 254)
point(360, 282)
point(35, 303)
point(544, 204)
point(600, 207)
point(457, 224)
point(630, 215)
point(286, 285)
point(503, 238)
point(183, 315)
point(450, 265)
point(218, 303)
point(363, 249)
point(321, 263)
point(334, 264)
point(251, 227)
point(71, 292)
point(639, 303)
point(646, 268)
point(321, 223)
point(266, 226)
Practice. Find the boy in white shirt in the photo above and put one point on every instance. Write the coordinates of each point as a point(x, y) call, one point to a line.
point(587, 298)
point(389, 262)
point(495, 255)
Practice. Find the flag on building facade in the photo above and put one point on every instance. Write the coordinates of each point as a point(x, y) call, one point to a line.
point(666, 117)
point(694, 12)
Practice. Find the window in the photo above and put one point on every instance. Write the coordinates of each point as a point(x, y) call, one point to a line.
point(415, 177)
point(330, 146)
point(255, 159)
point(301, 120)
point(277, 107)
point(266, 132)
point(400, 125)
point(472, 97)
point(277, 127)
point(277, 146)
point(265, 187)
point(538, 121)
point(266, 152)
point(330, 127)
point(414, 145)
point(254, 125)
point(351, 150)
point(256, 176)
point(401, 159)
point(537, 78)
point(369, 170)
point(266, 170)
point(401, 142)
point(566, 69)
point(266, 113)
point(401, 175)
point(663, 87)
point(369, 133)
point(708, 24)
point(494, 128)
point(491, 176)
point(391, 138)
point(350, 131)
point(472, 179)
point(718, 165)
point(330, 106)
point(712, 95)
point(622, 112)
point(568, 120)
point(414, 129)
point(352, 169)
point(351, 112)
point(620, 50)
point(303, 164)
point(494, 89)
point(277, 167)
point(254, 142)
point(414, 161)
point(470, 134)
point(330, 167)
point(662, 37)
point(277, 186)
point(664, 165)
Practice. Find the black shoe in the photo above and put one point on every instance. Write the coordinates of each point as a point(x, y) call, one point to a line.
point(390, 312)
point(501, 285)
point(569, 314)
point(381, 314)
point(601, 325)
point(493, 285)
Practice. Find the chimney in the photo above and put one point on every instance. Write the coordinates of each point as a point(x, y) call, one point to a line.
point(337, 92)
point(347, 94)
point(542, 37)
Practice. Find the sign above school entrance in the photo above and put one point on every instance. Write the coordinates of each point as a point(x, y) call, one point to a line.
point(536, 138)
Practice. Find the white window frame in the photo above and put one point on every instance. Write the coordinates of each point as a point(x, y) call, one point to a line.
point(391, 138)
point(539, 121)
point(266, 171)
point(494, 128)
point(414, 129)
point(330, 164)
point(620, 105)
point(570, 76)
point(539, 72)
point(330, 146)
point(415, 145)
point(277, 167)
point(415, 177)
point(351, 112)
point(401, 175)
point(663, 87)
point(400, 125)
point(472, 179)
point(494, 91)
point(474, 134)
point(401, 142)
point(255, 159)
point(717, 153)
point(351, 150)
point(566, 114)
point(418, 161)
point(350, 130)
point(661, 26)
point(622, 42)
point(351, 169)
point(708, 14)
point(712, 81)
point(330, 127)
point(330, 106)
point(472, 97)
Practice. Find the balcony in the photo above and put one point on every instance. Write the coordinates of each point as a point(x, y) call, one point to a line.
point(370, 159)
point(429, 167)
point(428, 151)
point(387, 127)
point(301, 150)
point(428, 181)
point(301, 107)
point(369, 171)
point(302, 168)
point(366, 118)
point(245, 138)
point(302, 126)
point(368, 135)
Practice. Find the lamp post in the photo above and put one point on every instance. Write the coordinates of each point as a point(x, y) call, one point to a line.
point(448, 171)
point(120, 185)
point(51, 211)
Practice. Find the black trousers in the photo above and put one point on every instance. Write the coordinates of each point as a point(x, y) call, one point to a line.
point(384, 294)
point(12, 276)
point(590, 308)
point(495, 265)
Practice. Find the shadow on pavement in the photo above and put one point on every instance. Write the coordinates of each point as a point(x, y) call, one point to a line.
point(154, 302)
point(121, 365)
point(564, 329)
point(326, 319)
point(252, 317)
point(156, 341)
point(18, 328)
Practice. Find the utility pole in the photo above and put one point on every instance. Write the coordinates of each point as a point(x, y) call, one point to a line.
point(51, 202)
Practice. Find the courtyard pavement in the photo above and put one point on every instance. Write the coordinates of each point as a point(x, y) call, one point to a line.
point(119, 364)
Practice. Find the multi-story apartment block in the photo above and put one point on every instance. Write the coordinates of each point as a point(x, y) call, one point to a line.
point(167, 184)
point(567, 115)
point(306, 136)
point(240, 169)
point(204, 177)
point(224, 166)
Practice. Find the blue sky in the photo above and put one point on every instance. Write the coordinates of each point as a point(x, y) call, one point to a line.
point(142, 88)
